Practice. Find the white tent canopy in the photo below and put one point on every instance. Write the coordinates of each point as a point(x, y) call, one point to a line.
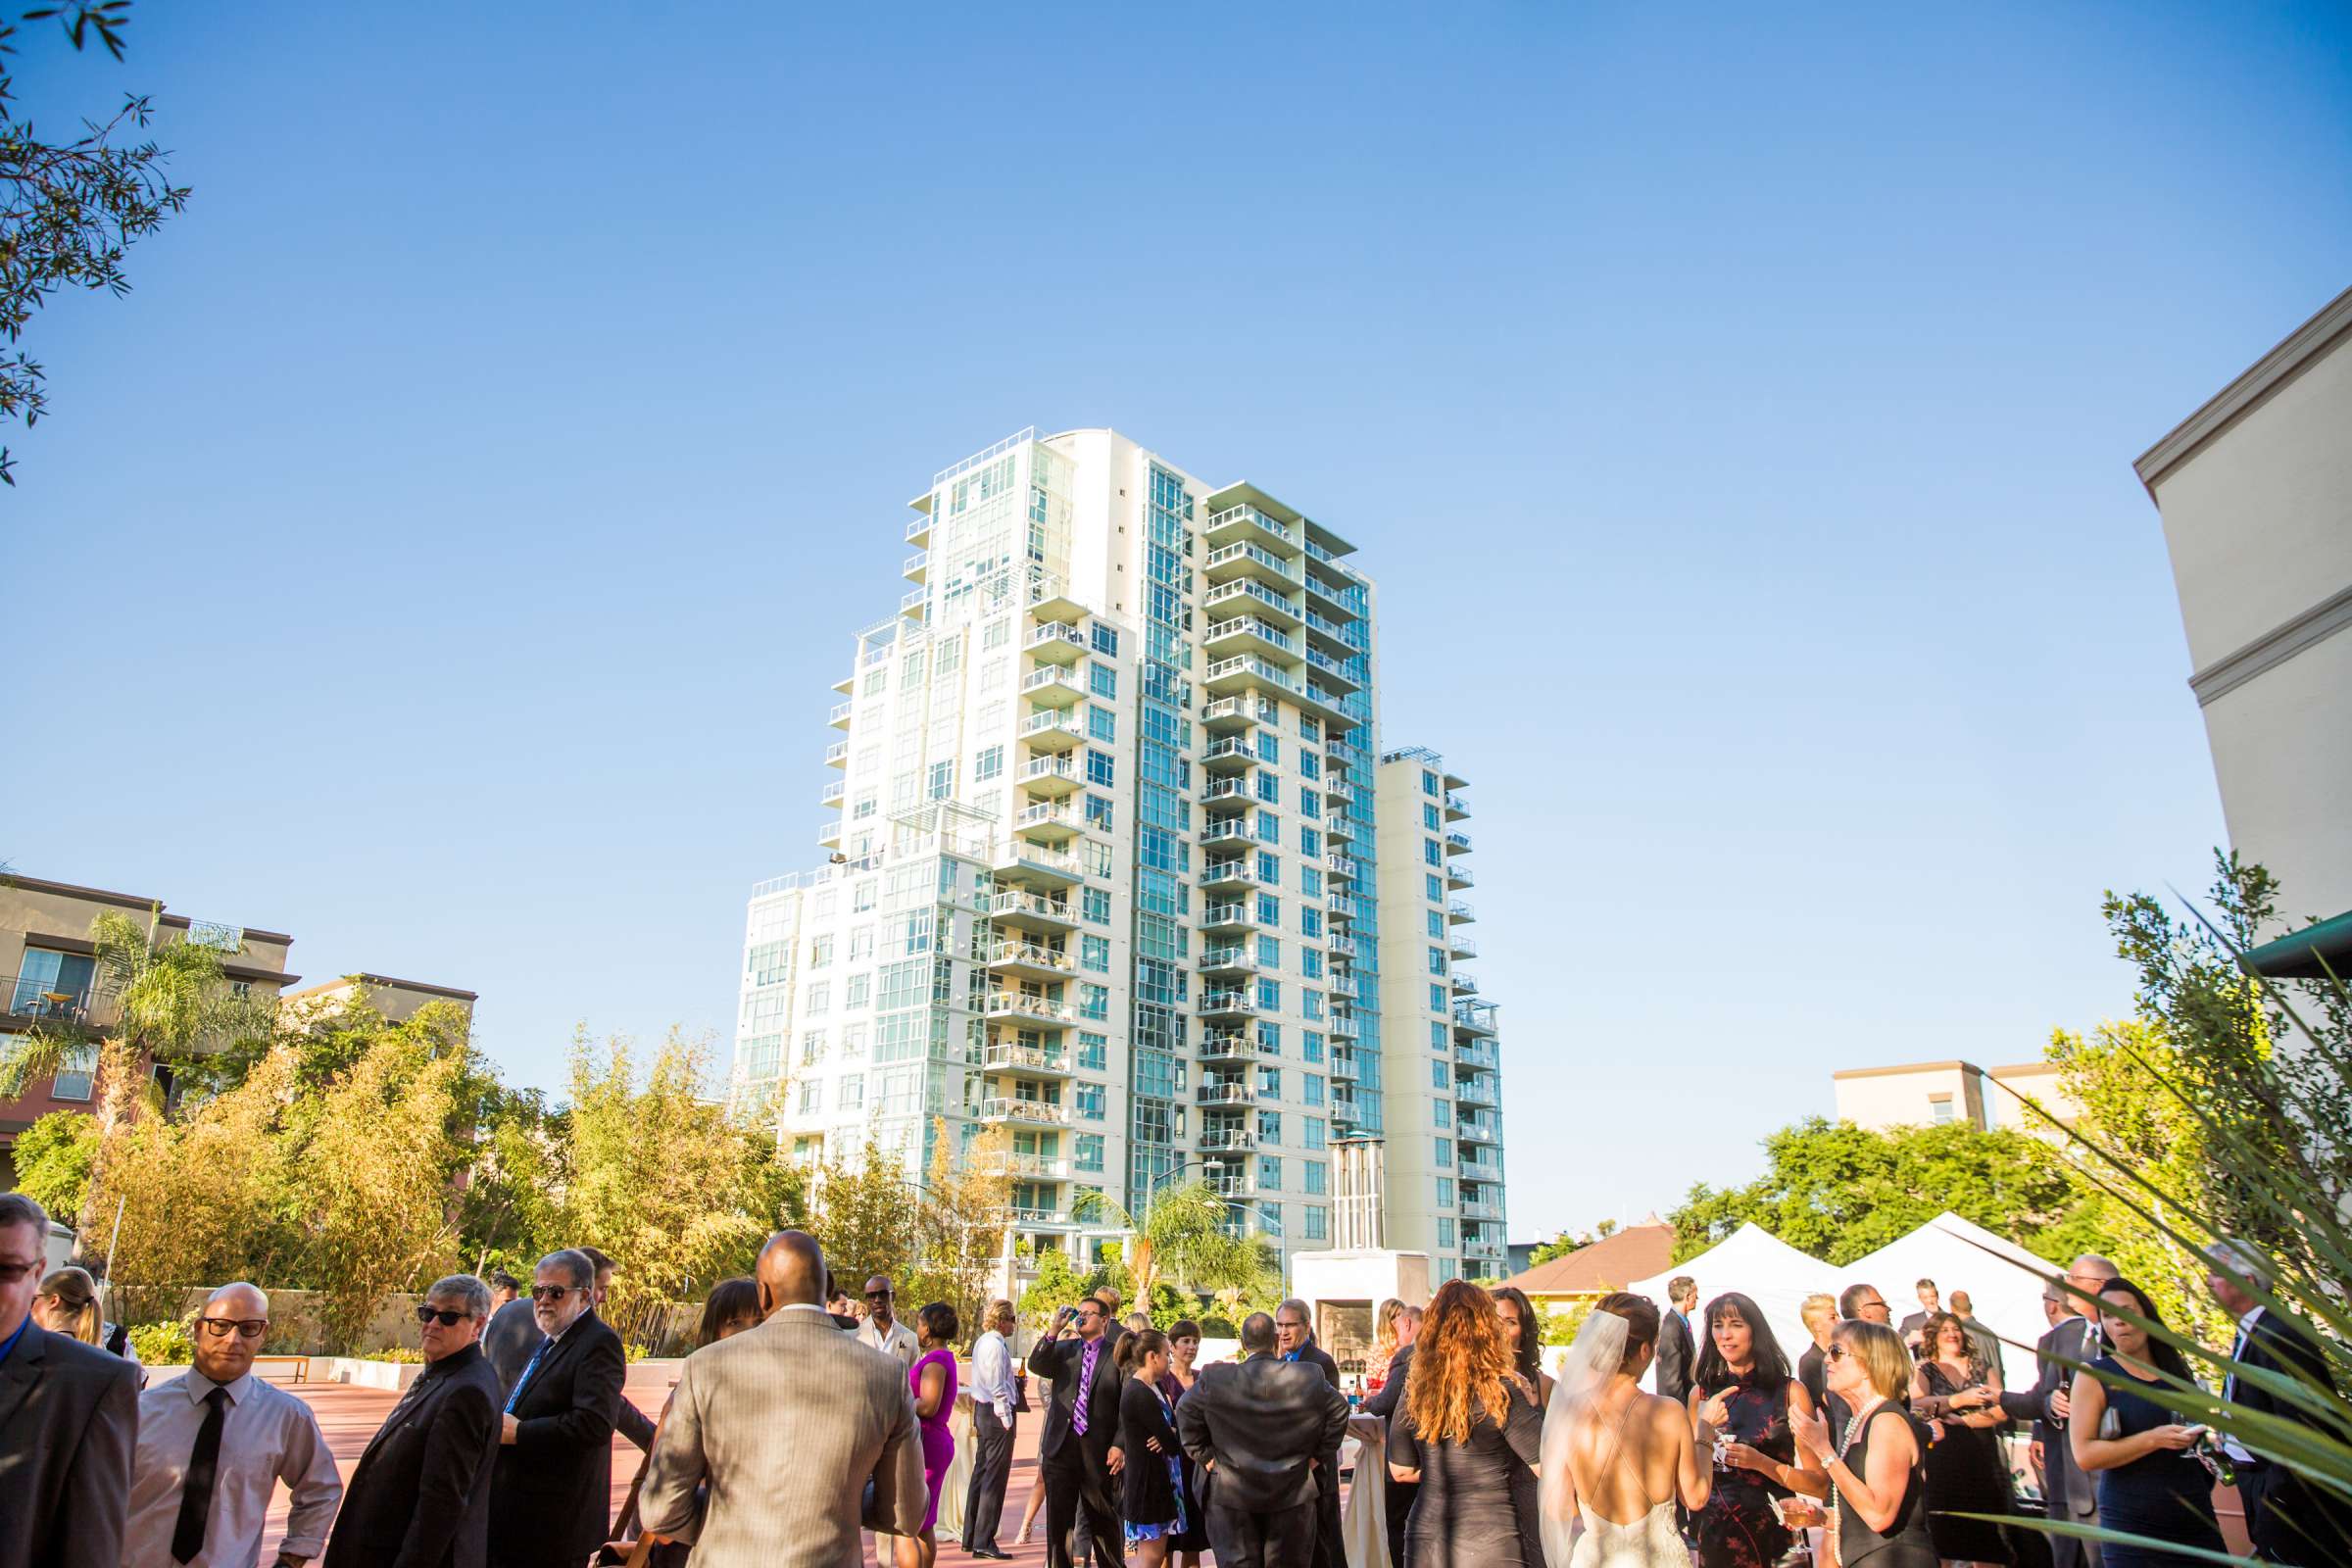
point(1761, 1266)
point(2003, 1282)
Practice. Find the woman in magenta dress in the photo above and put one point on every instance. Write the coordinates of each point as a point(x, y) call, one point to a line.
point(932, 1377)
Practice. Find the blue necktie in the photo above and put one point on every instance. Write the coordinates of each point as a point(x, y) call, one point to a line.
point(525, 1382)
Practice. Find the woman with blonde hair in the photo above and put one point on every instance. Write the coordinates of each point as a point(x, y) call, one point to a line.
point(1468, 1432)
point(67, 1304)
point(1819, 1313)
point(1878, 1465)
point(1384, 1344)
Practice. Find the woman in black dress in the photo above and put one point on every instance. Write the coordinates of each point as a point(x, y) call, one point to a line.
point(1152, 1499)
point(1876, 1467)
point(2150, 1484)
point(1466, 1429)
point(1184, 1348)
point(1967, 1470)
point(1744, 1390)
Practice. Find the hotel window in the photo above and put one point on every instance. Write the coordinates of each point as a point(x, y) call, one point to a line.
point(1429, 782)
point(1440, 1076)
point(1089, 1101)
point(1105, 640)
point(1444, 1232)
point(1089, 1147)
point(1431, 852)
point(1269, 1083)
point(820, 997)
point(942, 780)
point(1269, 788)
point(852, 1092)
point(1101, 723)
point(1315, 1223)
point(820, 953)
point(1315, 1133)
point(1103, 681)
point(1437, 999)
point(1100, 769)
point(1435, 889)
point(1445, 1153)
point(1094, 953)
point(1269, 952)
point(1269, 1039)
point(1269, 1126)
point(1312, 1179)
point(812, 1095)
point(1310, 921)
point(1310, 1045)
point(1095, 905)
point(1269, 869)
point(1310, 843)
point(1094, 1001)
point(1311, 1090)
point(1269, 909)
point(1269, 995)
point(861, 989)
point(995, 634)
point(1269, 1173)
point(1092, 1052)
point(990, 764)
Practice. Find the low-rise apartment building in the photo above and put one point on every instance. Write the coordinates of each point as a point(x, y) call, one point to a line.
point(1934, 1094)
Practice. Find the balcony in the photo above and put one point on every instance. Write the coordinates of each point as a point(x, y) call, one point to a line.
point(916, 568)
point(1033, 866)
point(839, 717)
point(1230, 715)
point(833, 793)
point(1327, 595)
point(1032, 960)
point(1228, 875)
point(1050, 777)
point(913, 602)
point(1480, 1209)
point(1223, 1093)
point(1327, 636)
point(1228, 1004)
point(1461, 944)
point(1477, 1054)
point(1053, 686)
point(1343, 866)
point(1226, 832)
point(1482, 1128)
point(1336, 678)
point(1234, 959)
point(829, 836)
point(1056, 729)
point(1458, 875)
point(1035, 1111)
point(1457, 842)
point(1228, 677)
point(837, 754)
point(1247, 634)
point(1342, 906)
point(1256, 598)
point(918, 532)
point(1021, 1006)
point(1455, 806)
point(1036, 1167)
point(1465, 985)
point(1246, 525)
point(1056, 642)
point(1476, 1091)
point(1216, 1138)
point(48, 999)
point(1342, 1067)
point(1341, 1022)
point(1460, 910)
point(1481, 1170)
point(1029, 911)
point(1048, 822)
point(1228, 1045)
point(1229, 755)
point(1336, 788)
point(1224, 789)
point(1238, 1184)
point(1474, 1017)
point(1231, 916)
point(1246, 560)
point(1016, 1059)
point(1339, 825)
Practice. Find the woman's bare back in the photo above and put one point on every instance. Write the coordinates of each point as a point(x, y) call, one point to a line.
point(1625, 1460)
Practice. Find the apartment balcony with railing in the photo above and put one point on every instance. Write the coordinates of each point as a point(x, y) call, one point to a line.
point(1056, 642)
point(1027, 1007)
point(1231, 958)
point(1023, 864)
point(1465, 985)
point(1229, 754)
point(1480, 1169)
point(1230, 715)
point(1053, 729)
point(1480, 1089)
point(1034, 1167)
point(47, 998)
point(1028, 910)
point(1477, 1054)
point(1455, 806)
point(1227, 677)
point(1459, 911)
point(1482, 1209)
point(1234, 1004)
point(1030, 959)
point(1228, 1045)
point(1016, 1058)
point(1239, 1182)
point(1474, 1017)
point(1223, 1091)
point(1458, 875)
point(1227, 875)
point(1238, 560)
point(1247, 524)
point(837, 754)
point(1213, 1138)
point(1461, 944)
point(1050, 777)
point(1230, 918)
point(1457, 842)
point(839, 714)
point(1038, 1112)
point(1224, 789)
point(1053, 686)
point(1250, 634)
point(1226, 832)
point(1048, 822)
point(1336, 676)
point(1244, 594)
point(1480, 1127)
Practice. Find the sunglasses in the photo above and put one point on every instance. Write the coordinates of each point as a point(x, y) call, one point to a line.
point(552, 1293)
point(1837, 1353)
point(448, 1319)
point(220, 1328)
point(877, 1296)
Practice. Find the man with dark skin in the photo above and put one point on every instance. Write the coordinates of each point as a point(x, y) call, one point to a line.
point(881, 1330)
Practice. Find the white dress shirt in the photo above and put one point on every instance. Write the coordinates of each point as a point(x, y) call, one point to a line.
point(899, 1340)
point(266, 1436)
point(992, 1374)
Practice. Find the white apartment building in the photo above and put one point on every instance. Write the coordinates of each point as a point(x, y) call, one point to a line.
point(1104, 861)
point(2255, 490)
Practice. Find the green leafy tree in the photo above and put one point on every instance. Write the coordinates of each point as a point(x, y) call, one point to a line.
point(1561, 1245)
point(70, 210)
point(864, 1215)
point(1838, 1191)
point(1059, 1284)
point(667, 1182)
point(1187, 1236)
point(54, 1158)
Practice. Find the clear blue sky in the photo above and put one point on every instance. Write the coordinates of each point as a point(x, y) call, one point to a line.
point(444, 553)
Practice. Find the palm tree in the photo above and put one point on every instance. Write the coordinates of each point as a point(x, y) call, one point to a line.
point(171, 1002)
point(1186, 1235)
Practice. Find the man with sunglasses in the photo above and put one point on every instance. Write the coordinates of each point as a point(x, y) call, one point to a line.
point(421, 1493)
point(212, 1446)
point(882, 1330)
point(1079, 1450)
point(68, 1416)
point(551, 1492)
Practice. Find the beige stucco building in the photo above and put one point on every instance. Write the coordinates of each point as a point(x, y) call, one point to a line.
point(2255, 490)
point(397, 1000)
point(1932, 1094)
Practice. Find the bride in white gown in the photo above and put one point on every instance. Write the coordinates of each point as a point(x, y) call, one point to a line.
point(1614, 1458)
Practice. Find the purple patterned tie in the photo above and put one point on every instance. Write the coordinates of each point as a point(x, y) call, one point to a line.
point(1086, 1380)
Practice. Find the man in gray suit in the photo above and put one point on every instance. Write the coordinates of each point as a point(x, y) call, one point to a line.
point(68, 1417)
point(786, 1424)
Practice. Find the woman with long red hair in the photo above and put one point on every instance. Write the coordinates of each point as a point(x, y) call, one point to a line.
point(1468, 1431)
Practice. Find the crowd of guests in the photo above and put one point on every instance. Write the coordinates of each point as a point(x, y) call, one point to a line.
point(786, 1445)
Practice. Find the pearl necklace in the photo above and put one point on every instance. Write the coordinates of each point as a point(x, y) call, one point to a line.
point(1853, 1428)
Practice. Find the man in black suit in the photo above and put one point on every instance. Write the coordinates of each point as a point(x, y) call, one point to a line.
point(632, 1423)
point(1677, 1340)
point(507, 1343)
point(1295, 1340)
point(2289, 1521)
point(551, 1492)
point(1079, 1452)
point(1397, 1497)
point(1257, 1430)
point(2069, 1496)
point(68, 1419)
point(421, 1497)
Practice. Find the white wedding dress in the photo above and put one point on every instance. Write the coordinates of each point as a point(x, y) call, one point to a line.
point(1589, 1541)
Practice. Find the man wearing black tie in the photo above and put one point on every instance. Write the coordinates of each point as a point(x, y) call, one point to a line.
point(551, 1492)
point(2070, 1495)
point(2289, 1522)
point(1079, 1452)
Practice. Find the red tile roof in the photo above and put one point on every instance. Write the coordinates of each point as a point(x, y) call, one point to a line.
point(1611, 1263)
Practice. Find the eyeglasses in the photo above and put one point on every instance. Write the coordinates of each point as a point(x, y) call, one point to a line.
point(220, 1328)
point(448, 1319)
point(1837, 1353)
point(552, 1293)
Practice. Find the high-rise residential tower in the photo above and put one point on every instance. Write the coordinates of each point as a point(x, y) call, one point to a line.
point(1106, 869)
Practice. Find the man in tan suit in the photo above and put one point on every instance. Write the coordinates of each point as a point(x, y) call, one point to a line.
point(786, 1423)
